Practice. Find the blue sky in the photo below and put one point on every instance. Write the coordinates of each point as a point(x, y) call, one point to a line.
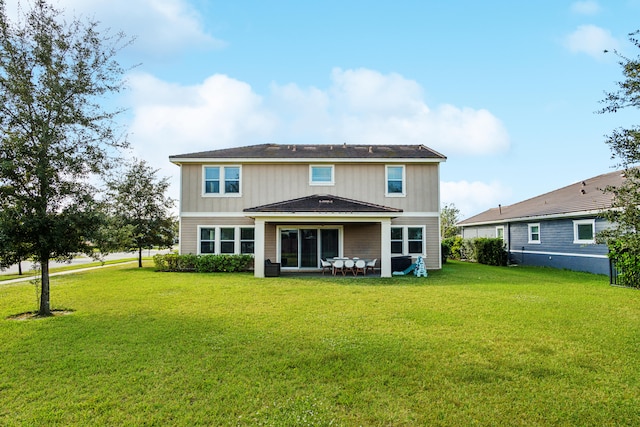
point(507, 90)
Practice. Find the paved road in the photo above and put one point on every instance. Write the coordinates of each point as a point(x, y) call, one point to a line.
point(79, 260)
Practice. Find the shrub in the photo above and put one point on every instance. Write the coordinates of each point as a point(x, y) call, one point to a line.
point(490, 251)
point(468, 250)
point(451, 247)
point(202, 263)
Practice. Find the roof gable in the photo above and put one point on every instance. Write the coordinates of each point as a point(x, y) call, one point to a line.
point(319, 203)
point(316, 151)
point(580, 197)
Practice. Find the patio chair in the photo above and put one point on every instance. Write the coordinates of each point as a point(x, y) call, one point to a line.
point(360, 266)
point(271, 269)
point(348, 266)
point(325, 265)
point(338, 265)
point(371, 265)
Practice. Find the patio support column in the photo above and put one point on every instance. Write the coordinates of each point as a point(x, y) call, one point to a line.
point(385, 247)
point(258, 256)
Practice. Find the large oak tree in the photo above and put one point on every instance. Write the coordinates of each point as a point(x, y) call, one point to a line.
point(55, 133)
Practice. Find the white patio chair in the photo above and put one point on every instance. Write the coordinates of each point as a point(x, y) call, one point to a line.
point(360, 266)
point(338, 265)
point(371, 265)
point(326, 265)
point(348, 266)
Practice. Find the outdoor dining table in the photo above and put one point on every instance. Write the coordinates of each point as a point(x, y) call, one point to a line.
point(341, 267)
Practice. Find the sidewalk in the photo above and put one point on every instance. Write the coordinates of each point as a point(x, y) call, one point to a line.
point(79, 260)
point(28, 277)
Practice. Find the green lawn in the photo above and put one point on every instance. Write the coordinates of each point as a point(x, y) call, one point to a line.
point(470, 344)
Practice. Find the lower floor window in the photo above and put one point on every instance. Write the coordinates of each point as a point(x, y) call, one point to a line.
point(407, 240)
point(226, 240)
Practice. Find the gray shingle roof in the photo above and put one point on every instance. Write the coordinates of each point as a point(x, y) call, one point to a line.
point(316, 151)
point(323, 203)
point(583, 196)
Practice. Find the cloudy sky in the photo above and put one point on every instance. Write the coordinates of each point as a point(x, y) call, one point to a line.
point(507, 90)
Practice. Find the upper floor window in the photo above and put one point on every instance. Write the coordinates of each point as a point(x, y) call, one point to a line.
point(321, 175)
point(222, 180)
point(584, 231)
point(395, 179)
point(534, 233)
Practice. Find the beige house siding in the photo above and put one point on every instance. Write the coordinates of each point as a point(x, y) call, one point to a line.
point(362, 240)
point(269, 183)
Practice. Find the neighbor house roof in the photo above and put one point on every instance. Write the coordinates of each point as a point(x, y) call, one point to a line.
point(323, 203)
point(583, 197)
point(330, 152)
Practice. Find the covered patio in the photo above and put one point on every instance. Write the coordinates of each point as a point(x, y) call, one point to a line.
point(298, 234)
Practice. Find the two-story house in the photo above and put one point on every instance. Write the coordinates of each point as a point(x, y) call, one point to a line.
point(296, 204)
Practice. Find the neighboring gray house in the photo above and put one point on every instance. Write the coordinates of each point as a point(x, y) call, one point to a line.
point(556, 229)
point(296, 204)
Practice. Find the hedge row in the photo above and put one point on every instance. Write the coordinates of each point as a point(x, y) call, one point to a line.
point(482, 250)
point(203, 263)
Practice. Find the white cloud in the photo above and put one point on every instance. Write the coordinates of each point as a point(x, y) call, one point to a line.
point(360, 106)
point(591, 40)
point(162, 28)
point(588, 7)
point(365, 106)
point(472, 198)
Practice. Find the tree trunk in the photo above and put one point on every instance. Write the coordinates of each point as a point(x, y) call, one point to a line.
point(140, 257)
point(19, 268)
point(45, 309)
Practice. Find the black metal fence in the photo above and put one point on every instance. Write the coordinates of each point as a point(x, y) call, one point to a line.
point(616, 278)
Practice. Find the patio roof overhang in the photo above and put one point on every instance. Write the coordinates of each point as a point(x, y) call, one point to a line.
point(325, 208)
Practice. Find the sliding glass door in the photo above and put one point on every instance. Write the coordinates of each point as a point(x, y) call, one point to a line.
point(303, 247)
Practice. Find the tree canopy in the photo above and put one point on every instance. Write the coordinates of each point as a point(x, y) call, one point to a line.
point(140, 209)
point(624, 215)
point(55, 134)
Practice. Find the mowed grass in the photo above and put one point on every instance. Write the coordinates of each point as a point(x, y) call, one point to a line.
point(470, 344)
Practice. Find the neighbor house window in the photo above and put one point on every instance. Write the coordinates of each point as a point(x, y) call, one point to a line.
point(500, 233)
point(584, 231)
point(222, 180)
point(321, 175)
point(207, 240)
point(407, 240)
point(534, 233)
point(226, 240)
point(395, 178)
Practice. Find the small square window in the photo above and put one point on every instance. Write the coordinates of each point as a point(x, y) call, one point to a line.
point(584, 231)
point(321, 175)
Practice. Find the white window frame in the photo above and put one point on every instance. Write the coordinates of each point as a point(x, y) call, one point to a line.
point(529, 227)
point(217, 241)
point(405, 240)
point(222, 192)
point(498, 228)
point(404, 181)
point(331, 182)
point(199, 251)
point(576, 224)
